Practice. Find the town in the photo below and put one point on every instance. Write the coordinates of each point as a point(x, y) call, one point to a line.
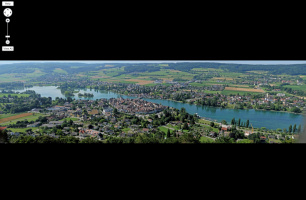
point(131, 120)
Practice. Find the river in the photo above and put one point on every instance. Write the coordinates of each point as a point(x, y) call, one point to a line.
point(258, 118)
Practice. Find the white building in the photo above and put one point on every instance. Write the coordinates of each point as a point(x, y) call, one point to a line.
point(280, 94)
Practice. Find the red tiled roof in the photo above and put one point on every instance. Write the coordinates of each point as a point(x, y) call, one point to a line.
point(2, 128)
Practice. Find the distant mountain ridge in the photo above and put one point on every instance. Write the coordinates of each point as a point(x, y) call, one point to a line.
point(74, 67)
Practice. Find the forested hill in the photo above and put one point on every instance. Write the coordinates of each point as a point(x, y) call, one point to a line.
point(297, 69)
point(71, 68)
point(50, 67)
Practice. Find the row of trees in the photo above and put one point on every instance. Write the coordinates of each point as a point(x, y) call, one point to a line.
point(239, 123)
point(293, 129)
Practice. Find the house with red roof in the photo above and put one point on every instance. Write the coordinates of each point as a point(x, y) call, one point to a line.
point(2, 128)
point(224, 128)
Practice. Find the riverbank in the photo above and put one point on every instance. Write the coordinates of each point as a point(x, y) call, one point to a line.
point(229, 106)
point(258, 118)
point(226, 107)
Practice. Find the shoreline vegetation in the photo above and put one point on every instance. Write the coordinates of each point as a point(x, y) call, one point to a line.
point(118, 124)
point(227, 107)
point(204, 118)
point(69, 93)
point(86, 95)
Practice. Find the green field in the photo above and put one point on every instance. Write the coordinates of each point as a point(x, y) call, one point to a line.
point(125, 130)
point(20, 130)
point(203, 121)
point(12, 77)
point(198, 84)
point(70, 118)
point(18, 95)
point(8, 115)
point(228, 92)
point(212, 92)
point(296, 87)
point(164, 129)
point(204, 139)
point(206, 69)
point(59, 70)
point(29, 118)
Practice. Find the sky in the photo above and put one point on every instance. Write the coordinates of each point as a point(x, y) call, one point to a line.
point(261, 62)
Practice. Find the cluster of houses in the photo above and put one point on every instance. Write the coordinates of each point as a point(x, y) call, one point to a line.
point(225, 131)
point(136, 106)
point(102, 108)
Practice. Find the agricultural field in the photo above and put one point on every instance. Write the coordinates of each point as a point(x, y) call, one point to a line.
point(139, 81)
point(258, 72)
point(223, 78)
point(141, 78)
point(240, 86)
point(15, 77)
point(207, 70)
point(12, 117)
point(230, 92)
point(29, 118)
point(119, 75)
point(243, 89)
point(59, 70)
point(296, 87)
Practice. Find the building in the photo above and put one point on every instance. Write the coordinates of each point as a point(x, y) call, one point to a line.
point(280, 94)
point(107, 110)
point(56, 122)
point(48, 125)
point(247, 133)
point(36, 124)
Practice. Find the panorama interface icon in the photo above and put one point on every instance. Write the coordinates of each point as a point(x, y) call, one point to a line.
point(7, 12)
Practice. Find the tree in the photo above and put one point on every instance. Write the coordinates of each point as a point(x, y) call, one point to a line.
point(296, 110)
point(185, 126)
point(59, 132)
point(223, 122)
point(174, 133)
point(233, 121)
point(299, 129)
point(168, 133)
point(224, 139)
point(3, 136)
point(183, 110)
point(239, 122)
point(290, 128)
point(212, 124)
point(294, 128)
point(247, 124)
